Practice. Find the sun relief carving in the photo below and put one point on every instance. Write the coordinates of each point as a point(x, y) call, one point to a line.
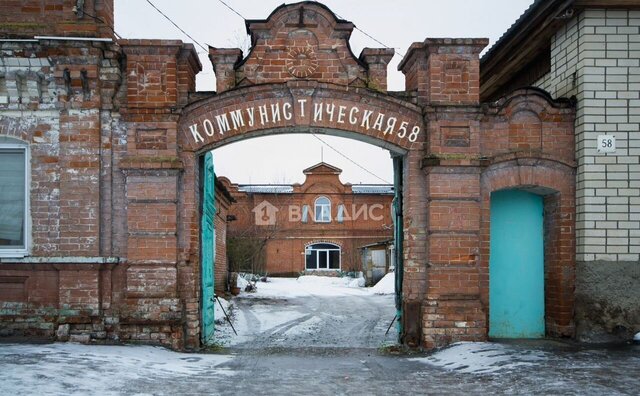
point(301, 62)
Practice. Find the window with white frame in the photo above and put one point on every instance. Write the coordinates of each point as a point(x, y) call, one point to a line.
point(322, 256)
point(322, 210)
point(14, 197)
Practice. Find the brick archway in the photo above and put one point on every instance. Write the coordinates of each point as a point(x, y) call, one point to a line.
point(298, 107)
point(301, 106)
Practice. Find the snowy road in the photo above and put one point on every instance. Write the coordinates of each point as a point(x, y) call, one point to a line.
point(303, 338)
point(542, 367)
point(286, 313)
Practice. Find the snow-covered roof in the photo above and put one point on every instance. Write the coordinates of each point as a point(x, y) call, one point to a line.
point(372, 189)
point(266, 188)
point(288, 189)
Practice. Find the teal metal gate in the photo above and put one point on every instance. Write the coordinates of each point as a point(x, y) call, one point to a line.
point(208, 254)
point(516, 265)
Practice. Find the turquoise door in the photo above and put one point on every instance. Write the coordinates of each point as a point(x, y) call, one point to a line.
point(516, 265)
point(208, 253)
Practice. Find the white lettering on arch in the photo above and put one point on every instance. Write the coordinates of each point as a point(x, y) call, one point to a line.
point(236, 119)
point(286, 111)
point(353, 120)
point(326, 113)
point(194, 132)
point(208, 127)
point(223, 123)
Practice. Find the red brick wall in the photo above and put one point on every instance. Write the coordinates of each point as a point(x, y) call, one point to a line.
point(511, 151)
point(287, 239)
point(26, 18)
point(221, 268)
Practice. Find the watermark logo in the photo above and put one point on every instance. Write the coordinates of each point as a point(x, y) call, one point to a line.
point(265, 214)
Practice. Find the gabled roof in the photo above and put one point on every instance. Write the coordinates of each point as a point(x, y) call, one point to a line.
point(520, 45)
point(529, 37)
point(322, 167)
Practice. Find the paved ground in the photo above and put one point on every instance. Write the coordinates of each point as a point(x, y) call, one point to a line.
point(320, 345)
point(287, 314)
point(334, 322)
point(64, 369)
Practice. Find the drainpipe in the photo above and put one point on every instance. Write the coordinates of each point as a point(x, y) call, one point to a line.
point(398, 239)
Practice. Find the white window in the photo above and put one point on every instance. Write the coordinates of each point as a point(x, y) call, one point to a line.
point(322, 210)
point(322, 256)
point(14, 197)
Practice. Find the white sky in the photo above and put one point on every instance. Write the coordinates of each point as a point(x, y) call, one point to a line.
point(397, 24)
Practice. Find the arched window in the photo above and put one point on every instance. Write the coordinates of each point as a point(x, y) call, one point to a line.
point(14, 199)
point(322, 210)
point(322, 256)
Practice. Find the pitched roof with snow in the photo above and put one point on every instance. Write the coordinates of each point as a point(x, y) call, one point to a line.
point(266, 188)
point(383, 189)
point(372, 189)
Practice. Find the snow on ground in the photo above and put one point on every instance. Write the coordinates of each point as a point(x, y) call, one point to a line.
point(260, 318)
point(307, 327)
point(241, 282)
point(481, 358)
point(308, 285)
point(55, 369)
point(268, 311)
point(220, 307)
point(386, 285)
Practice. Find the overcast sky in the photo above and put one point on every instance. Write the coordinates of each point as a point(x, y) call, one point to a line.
point(397, 24)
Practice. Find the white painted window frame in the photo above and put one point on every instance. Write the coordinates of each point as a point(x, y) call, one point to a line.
point(22, 252)
point(317, 253)
point(318, 215)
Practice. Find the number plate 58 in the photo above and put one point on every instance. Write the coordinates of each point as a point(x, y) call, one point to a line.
point(606, 144)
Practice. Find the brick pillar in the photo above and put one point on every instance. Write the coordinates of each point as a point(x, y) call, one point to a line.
point(160, 281)
point(224, 62)
point(377, 60)
point(445, 72)
point(415, 247)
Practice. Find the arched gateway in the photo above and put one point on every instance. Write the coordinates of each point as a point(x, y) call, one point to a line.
point(141, 192)
point(301, 77)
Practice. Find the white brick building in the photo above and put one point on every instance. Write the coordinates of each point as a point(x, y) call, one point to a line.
point(589, 51)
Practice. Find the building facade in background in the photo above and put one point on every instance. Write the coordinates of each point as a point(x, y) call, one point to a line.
point(316, 226)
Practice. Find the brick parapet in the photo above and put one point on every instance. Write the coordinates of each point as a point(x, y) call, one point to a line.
point(444, 70)
point(224, 61)
point(377, 60)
